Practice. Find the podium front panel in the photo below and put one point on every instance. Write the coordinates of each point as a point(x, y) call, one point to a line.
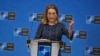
point(44, 48)
point(55, 49)
point(34, 48)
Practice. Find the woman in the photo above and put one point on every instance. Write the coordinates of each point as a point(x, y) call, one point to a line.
point(50, 28)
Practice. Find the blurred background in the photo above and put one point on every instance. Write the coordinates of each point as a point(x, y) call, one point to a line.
point(19, 20)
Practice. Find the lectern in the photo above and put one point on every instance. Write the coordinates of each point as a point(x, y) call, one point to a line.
point(44, 47)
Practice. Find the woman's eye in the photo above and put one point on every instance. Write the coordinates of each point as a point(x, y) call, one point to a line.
point(49, 13)
point(53, 13)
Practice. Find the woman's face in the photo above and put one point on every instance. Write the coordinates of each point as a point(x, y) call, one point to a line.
point(52, 15)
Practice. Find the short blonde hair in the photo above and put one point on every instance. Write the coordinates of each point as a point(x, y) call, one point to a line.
point(45, 20)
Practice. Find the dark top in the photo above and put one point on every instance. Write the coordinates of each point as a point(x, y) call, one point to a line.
point(52, 32)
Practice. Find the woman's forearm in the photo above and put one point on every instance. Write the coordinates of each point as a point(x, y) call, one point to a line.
point(70, 31)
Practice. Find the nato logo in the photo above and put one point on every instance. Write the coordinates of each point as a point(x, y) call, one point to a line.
point(61, 18)
point(44, 50)
point(32, 16)
point(3, 15)
point(93, 20)
point(90, 20)
point(21, 32)
point(2, 46)
point(80, 34)
point(7, 15)
point(89, 51)
point(17, 31)
point(76, 34)
point(65, 18)
point(35, 17)
point(6, 46)
point(92, 51)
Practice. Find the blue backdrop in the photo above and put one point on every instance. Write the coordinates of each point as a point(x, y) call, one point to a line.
point(80, 9)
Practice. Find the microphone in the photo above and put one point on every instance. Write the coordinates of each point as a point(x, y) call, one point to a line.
point(28, 40)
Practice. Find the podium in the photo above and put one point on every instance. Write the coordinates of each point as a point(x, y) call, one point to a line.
point(44, 47)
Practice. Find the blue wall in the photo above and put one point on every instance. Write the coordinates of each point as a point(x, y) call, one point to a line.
point(80, 9)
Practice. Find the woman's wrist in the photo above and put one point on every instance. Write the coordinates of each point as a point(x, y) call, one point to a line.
point(71, 27)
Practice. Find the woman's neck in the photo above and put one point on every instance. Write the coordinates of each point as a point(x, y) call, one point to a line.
point(51, 23)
